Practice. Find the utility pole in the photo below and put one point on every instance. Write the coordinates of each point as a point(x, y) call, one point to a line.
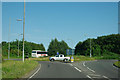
point(23, 30)
point(90, 48)
point(18, 45)
point(9, 39)
point(18, 37)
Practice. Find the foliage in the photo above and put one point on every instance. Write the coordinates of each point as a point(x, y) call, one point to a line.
point(28, 47)
point(117, 64)
point(17, 69)
point(102, 46)
point(56, 46)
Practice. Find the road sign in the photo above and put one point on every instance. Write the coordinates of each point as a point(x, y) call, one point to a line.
point(57, 53)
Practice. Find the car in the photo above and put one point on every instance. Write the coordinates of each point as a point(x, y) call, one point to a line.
point(59, 57)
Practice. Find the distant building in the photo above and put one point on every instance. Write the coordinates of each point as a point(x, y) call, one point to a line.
point(70, 51)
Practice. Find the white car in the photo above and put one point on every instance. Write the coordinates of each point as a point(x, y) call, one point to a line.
point(59, 58)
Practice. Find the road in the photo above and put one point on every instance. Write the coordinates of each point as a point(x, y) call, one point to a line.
point(91, 70)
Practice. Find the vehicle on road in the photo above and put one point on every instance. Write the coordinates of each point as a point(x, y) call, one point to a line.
point(59, 57)
point(39, 53)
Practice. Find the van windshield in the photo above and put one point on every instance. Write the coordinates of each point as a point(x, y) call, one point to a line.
point(33, 51)
point(57, 56)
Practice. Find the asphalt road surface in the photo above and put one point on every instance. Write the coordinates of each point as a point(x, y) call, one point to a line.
point(91, 70)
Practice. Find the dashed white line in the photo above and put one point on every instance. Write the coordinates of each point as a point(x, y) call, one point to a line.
point(35, 72)
point(90, 69)
point(77, 69)
point(89, 77)
point(106, 77)
point(83, 63)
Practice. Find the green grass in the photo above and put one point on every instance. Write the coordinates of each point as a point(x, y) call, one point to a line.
point(82, 58)
point(117, 63)
point(40, 59)
point(12, 57)
point(17, 69)
point(0, 71)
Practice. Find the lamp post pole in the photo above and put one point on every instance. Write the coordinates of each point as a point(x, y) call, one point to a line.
point(9, 40)
point(90, 48)
point(18, 43)
point(18, 37)
point(23, 29)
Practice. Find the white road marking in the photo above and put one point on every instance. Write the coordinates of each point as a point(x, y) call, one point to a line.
point(77, 69)
point(106, 77)
point(83, 63)
point(71, 65)
point(89, 77)
point(35, 72)
point(90, 69)
point(94, 75)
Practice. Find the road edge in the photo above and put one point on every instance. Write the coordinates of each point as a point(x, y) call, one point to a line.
point(28, 75)
point(116, 66)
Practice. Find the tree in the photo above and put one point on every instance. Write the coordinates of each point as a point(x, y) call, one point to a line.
point(56, 46)
point(29, 46)
point(103, 45)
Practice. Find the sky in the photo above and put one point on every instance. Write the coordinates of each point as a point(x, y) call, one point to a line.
point(68, 21)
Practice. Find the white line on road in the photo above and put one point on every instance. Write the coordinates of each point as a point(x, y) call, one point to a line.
point(106, 77)
point(90, 69)
point(77, 69)
point(83, 63)
point(71, 65)
point(89, 77)
point(35, 72)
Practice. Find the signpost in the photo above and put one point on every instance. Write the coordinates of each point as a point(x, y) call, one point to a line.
point(57, 53)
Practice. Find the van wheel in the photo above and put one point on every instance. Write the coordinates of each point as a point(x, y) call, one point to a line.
point(65, 60)
point(52, 59)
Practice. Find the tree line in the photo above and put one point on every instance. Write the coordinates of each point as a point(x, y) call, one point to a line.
point(29, 46)
point(101, 46)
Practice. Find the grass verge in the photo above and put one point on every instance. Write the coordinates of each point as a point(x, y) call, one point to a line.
point(40, 59)
point(117, 64)
point(17, 69)
point(82, 58)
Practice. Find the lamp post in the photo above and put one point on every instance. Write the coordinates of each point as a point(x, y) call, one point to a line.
point(18, 37)
point(18, 43)
point(9, 40)
point(90, 48)
point(23, 29)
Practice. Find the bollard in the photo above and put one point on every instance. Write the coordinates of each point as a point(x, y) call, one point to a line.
point(72, 59)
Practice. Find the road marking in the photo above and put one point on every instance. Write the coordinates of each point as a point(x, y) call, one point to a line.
point(90, 69)
point(89, 77)
point(83, 63)
point(35, 72)
point(94, 75)
point(71, 65)
point(106, 77)
point(77, 69)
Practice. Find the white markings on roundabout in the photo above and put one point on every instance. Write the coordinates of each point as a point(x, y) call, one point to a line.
point(35, 73)
point(77, 69)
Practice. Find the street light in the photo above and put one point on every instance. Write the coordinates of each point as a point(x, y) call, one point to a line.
point(9, 39)
point(23, 29)
point(18, 37)
point(90, 46)
point(18, 43)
